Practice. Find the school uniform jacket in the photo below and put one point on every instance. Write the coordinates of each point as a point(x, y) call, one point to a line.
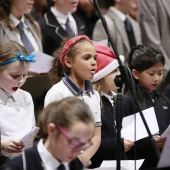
point(34, 162)
point(117, 31)
point(7, 34)
point(161, 106)
point(53, 33)
point(107, 149)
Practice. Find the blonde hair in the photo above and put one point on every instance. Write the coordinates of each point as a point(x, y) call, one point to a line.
point(9, 50)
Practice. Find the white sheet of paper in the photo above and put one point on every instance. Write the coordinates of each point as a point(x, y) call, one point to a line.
point(126, 164)
point(128, 125)
point(164, 160)
point(43, 63)
point(166, 133)
point(27, 140)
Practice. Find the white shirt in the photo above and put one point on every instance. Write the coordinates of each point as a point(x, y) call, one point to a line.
point(27, 31)
point(61, 18)
point(16, 115)
point(61, 90)
point(49, 162)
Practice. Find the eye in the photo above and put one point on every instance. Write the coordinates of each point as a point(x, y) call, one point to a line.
point(15, 76)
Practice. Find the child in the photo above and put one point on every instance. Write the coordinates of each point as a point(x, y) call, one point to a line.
point(146, 63)
point(76, 63)
point(17, 110)
point(60, 21)
point(16, 25)
point(104, 82)
point(61, 138)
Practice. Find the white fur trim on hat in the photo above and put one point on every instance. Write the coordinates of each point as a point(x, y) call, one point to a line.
point(107, 70)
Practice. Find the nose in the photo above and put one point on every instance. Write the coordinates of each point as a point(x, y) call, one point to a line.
point(21, 80)
point(157, 78)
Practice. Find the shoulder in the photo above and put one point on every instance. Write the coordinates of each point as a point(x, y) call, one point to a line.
point(57, 92)
point(24, 94)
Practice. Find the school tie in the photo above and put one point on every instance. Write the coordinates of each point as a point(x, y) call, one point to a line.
point(61, 167)
point(130, 33)
point(68, 28)
point(24, 38)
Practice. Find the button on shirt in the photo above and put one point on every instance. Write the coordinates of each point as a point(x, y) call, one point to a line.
point(16, 115)
point(49, 162)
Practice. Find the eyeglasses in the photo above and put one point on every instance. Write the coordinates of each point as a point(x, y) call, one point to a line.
point(74, 143)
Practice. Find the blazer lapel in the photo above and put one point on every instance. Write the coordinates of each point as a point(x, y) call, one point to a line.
point(51, 21)
point(10, 34)
point(120, 27)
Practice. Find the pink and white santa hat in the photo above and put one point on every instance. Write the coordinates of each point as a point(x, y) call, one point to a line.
point(106, 61)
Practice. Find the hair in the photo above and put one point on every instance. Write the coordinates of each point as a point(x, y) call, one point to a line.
point(65, 113)
point(143, 57)
point(5, 7)
point(57, 71)
point(140, 58)
point(9, 50)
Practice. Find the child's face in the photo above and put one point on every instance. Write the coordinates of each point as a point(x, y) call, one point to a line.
point(66, 6)
point(151, 78)
point(60, 146)
point(83, 65)
point(13, 76)
point(21, 7)
point(108, 83)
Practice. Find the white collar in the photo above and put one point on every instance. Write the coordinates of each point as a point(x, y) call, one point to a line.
point(4, 96)
point(16, 21)
point(110, 98)
point(47, 158)
point(60, 16)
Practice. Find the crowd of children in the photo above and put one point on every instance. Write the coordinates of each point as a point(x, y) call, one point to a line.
point(77, 124)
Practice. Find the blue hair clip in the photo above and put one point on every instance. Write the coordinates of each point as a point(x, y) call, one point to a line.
point(21, 57)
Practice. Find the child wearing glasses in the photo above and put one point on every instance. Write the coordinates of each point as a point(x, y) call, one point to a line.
point(61, 138)
point(75, 65)
point(146, 63)
point(17, 110)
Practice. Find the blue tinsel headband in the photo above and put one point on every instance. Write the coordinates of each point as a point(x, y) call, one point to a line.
point(21, 57)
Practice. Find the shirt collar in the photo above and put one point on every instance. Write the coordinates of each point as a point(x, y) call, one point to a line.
point(120, 14)
point(75, 89)
point(5, 96)
point(110, 98)
point(62, 18)
point(48, 160)
point(16, 21)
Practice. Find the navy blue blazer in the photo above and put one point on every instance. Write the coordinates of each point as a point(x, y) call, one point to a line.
point(34, 162)
point(108, 145)
point(53, 33)
point(144, 147)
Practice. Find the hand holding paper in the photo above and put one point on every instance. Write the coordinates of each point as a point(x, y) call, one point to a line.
point(27, 140)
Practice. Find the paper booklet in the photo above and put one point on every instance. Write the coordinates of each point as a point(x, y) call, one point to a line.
point(28, 139)
point(42, 64)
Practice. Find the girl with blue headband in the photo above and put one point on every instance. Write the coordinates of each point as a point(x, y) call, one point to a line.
point(17, 110)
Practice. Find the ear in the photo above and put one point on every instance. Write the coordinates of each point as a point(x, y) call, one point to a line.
point(51, 129)
point(68, 62)
point(135, 74)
